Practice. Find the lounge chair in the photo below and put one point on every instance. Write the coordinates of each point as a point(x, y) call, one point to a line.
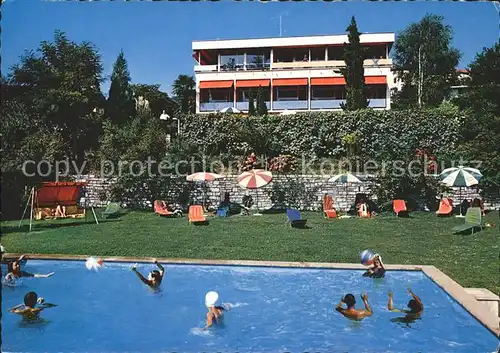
point(113, 209)
point(473, 219)
point(295, 219)
point(160, 208)
point(399, 207)
point(328, 210)
point(445, 207)
point(195, 215)
point(222, 211)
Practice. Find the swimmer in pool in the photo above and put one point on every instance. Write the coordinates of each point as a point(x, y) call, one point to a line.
point(351, 312)
point(14, 269)
point(215, 313)
point(415, 312)
point(154, 277)
point(377, 270)
point(28, 310)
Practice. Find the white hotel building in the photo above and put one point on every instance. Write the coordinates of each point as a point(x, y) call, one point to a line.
point(296, 73)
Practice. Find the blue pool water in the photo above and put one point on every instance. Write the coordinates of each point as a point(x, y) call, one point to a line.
point(274, 310)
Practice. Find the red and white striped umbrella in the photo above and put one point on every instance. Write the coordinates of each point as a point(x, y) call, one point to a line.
point(255, 178)
point(203, 176)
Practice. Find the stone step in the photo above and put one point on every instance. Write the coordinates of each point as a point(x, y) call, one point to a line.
point(487, 298)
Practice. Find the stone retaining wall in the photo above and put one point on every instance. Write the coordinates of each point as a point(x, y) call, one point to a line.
point(307, 193)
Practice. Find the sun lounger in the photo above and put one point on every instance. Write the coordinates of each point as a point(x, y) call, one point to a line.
point(328, 210)
point(195, 215)
point(473, 219)
point(113, 209)
point(295, 219)
point(160, 208)
point(399, 207)
point(445, 207)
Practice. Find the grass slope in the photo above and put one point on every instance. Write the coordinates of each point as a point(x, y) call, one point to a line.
point(424, 239)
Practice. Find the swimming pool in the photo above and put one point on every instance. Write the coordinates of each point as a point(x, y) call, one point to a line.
point(274, 310)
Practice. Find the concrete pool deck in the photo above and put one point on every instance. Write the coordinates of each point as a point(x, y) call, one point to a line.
point(468, 300)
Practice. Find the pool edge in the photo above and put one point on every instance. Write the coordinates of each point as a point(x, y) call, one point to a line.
point(452, 288)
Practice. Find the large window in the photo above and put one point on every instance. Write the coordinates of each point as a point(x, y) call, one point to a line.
point(231, 61)
point(375, 52)
point(376, 91)
point(212, 95)
point(318, 54)
point(291, 54)
point(258, 60)
point(336, 53)
point(322, 92)
point(243, 94)
point(290, 93)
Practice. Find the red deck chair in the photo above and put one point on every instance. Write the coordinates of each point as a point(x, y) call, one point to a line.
point(161, 208)
point(328, 210)
point(399, 207)
point(445, 207)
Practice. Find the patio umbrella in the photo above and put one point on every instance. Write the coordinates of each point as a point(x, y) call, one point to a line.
point(460, 177)
point(203, 177)
point(229, 110)
point(344, 178)
point(254, 179)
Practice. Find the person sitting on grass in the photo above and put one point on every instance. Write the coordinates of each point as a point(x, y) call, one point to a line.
point(154, 277)
point(416, 309)
point(351, 312)
point(14, 270)
point(377, 270)
point(28, 310)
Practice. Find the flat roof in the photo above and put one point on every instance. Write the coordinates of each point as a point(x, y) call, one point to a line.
point(290, 41)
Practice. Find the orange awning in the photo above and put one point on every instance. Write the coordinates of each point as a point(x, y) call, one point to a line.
point(327, 81)
point(290, 82)
point(216, 84)
point(375, 80)
point(252, 83)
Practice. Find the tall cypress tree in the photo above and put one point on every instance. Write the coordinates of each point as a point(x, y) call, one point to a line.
point(251, 103)
point(120, 104)
point(354, 72)
point(261, 104)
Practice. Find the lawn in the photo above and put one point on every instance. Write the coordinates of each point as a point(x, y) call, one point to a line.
point(423, 239)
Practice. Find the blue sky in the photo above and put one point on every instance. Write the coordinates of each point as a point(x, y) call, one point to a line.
point(156, 36)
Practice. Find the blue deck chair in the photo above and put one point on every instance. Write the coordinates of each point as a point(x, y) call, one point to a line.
point(295, 219)
point(222, 212)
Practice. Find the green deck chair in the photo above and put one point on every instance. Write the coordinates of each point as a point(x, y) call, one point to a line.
point(112, 209)
point(472, 220)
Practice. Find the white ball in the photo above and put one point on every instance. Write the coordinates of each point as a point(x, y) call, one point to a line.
point(211, 298)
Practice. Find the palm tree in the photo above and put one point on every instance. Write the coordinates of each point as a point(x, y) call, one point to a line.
point(184, 91)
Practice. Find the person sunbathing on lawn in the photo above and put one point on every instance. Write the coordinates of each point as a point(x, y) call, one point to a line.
point(351, 312)
point(154, 277)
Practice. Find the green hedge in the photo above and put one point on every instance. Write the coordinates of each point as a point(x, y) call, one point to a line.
point(379, 135)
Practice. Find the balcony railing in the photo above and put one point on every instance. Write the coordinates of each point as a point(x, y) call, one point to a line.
point(326, 103)
point(377, 103)
point(290, 105)
point(213, 106)
point(287, 65)
point(243, 106)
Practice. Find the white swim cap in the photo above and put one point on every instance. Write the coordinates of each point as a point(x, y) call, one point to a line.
point(211, 299)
